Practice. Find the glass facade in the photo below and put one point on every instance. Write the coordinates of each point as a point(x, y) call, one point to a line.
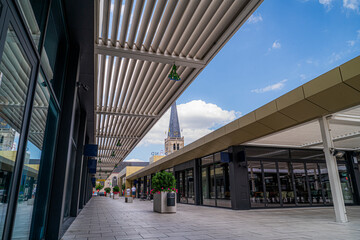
point(15, 72)
point(292, 178)
point(32, 72)
point(215, 181)
point(185, 182)
point(276, 177)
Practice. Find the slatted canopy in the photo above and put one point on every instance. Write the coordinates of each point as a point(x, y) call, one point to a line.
point(136, 45)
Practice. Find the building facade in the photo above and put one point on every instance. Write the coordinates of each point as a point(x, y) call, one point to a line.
point(44, 177)
point(247, 177)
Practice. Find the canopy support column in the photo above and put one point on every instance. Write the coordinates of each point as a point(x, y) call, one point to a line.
point(335, 185)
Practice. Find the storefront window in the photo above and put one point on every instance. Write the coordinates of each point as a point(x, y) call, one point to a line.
point(271, 184)
point(190, 183)
point(314, 183)
point(208, 189)
point(256, 184)
point(54, 55)
point(15, 71)
point(222, 185)
point(29, 179)
point(34, 13)
point(286, 185)
point(182, 187)
point(346, 187)
point(302, 194)
point(325, 183)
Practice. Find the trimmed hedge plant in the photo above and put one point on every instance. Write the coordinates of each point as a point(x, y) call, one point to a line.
point(107, 190)
point(116, 189)
point(163, 182)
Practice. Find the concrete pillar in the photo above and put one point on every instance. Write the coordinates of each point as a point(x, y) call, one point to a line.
point(239, 183)
point(335, 185)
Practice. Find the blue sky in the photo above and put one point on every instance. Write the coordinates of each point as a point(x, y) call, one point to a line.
point(283, 45)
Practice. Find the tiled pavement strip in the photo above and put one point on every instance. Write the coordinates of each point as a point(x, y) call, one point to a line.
point(105, 218)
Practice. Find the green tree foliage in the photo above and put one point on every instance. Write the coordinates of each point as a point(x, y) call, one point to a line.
point(116, 189)
point(99, 187)
point(107, 190)
point(163, 182)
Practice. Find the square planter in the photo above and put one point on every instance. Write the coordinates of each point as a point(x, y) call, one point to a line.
point(116, 196)
point(161, 203)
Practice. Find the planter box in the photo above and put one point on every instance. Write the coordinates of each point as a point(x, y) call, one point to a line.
point(160, 203)
point(116, 196)
point(128, 199)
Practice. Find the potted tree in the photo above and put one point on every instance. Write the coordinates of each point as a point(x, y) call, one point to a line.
point(116, 191)
point(164, 192)
point(107, 190)
point(98, 188)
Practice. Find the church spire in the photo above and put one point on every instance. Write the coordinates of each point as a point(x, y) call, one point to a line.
point(174, 126)
point(174, 141)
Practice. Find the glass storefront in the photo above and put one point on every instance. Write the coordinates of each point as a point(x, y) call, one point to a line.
point(15, 70)
point(185, 182)
point(29, 113)
point(299, 180)
point(215, 181)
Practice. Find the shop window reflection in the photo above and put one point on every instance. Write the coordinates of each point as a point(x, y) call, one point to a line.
point(302, 194)
point(15, 72)
point(29, 179)
point(256, 184)
point(315, 184)
point(286, 185)
point(345, 182)
point(271, 184)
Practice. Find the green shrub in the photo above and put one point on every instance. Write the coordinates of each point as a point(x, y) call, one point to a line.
point(163, 182)
point(116, 189)
point(107, 190)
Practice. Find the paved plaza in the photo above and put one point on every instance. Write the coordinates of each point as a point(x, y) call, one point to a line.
point(105, 218)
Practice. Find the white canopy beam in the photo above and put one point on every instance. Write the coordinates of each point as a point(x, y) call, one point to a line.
point(148, 56)
point(127, 114)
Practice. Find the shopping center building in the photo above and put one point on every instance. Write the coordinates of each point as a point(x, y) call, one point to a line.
point(275, 156)
point(82, 83)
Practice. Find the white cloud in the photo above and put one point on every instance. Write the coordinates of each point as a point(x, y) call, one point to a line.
point(351, 4)
point(197, 118)
point(255, 18)
point(303, 77)
point(325, 2)
point(335, 57)
point(133, 160)
point(351, 43)
point(276, 45)
point(276, 86)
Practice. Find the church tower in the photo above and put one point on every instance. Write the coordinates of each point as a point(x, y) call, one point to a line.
point(174, 141)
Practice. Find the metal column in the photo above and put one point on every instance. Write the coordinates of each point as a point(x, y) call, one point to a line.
point(335, 185)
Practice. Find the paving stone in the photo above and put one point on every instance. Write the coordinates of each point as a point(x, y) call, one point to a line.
point(105, 218)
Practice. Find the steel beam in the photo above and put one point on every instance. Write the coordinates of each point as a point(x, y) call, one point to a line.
point(148, 56)
point(126, 114)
